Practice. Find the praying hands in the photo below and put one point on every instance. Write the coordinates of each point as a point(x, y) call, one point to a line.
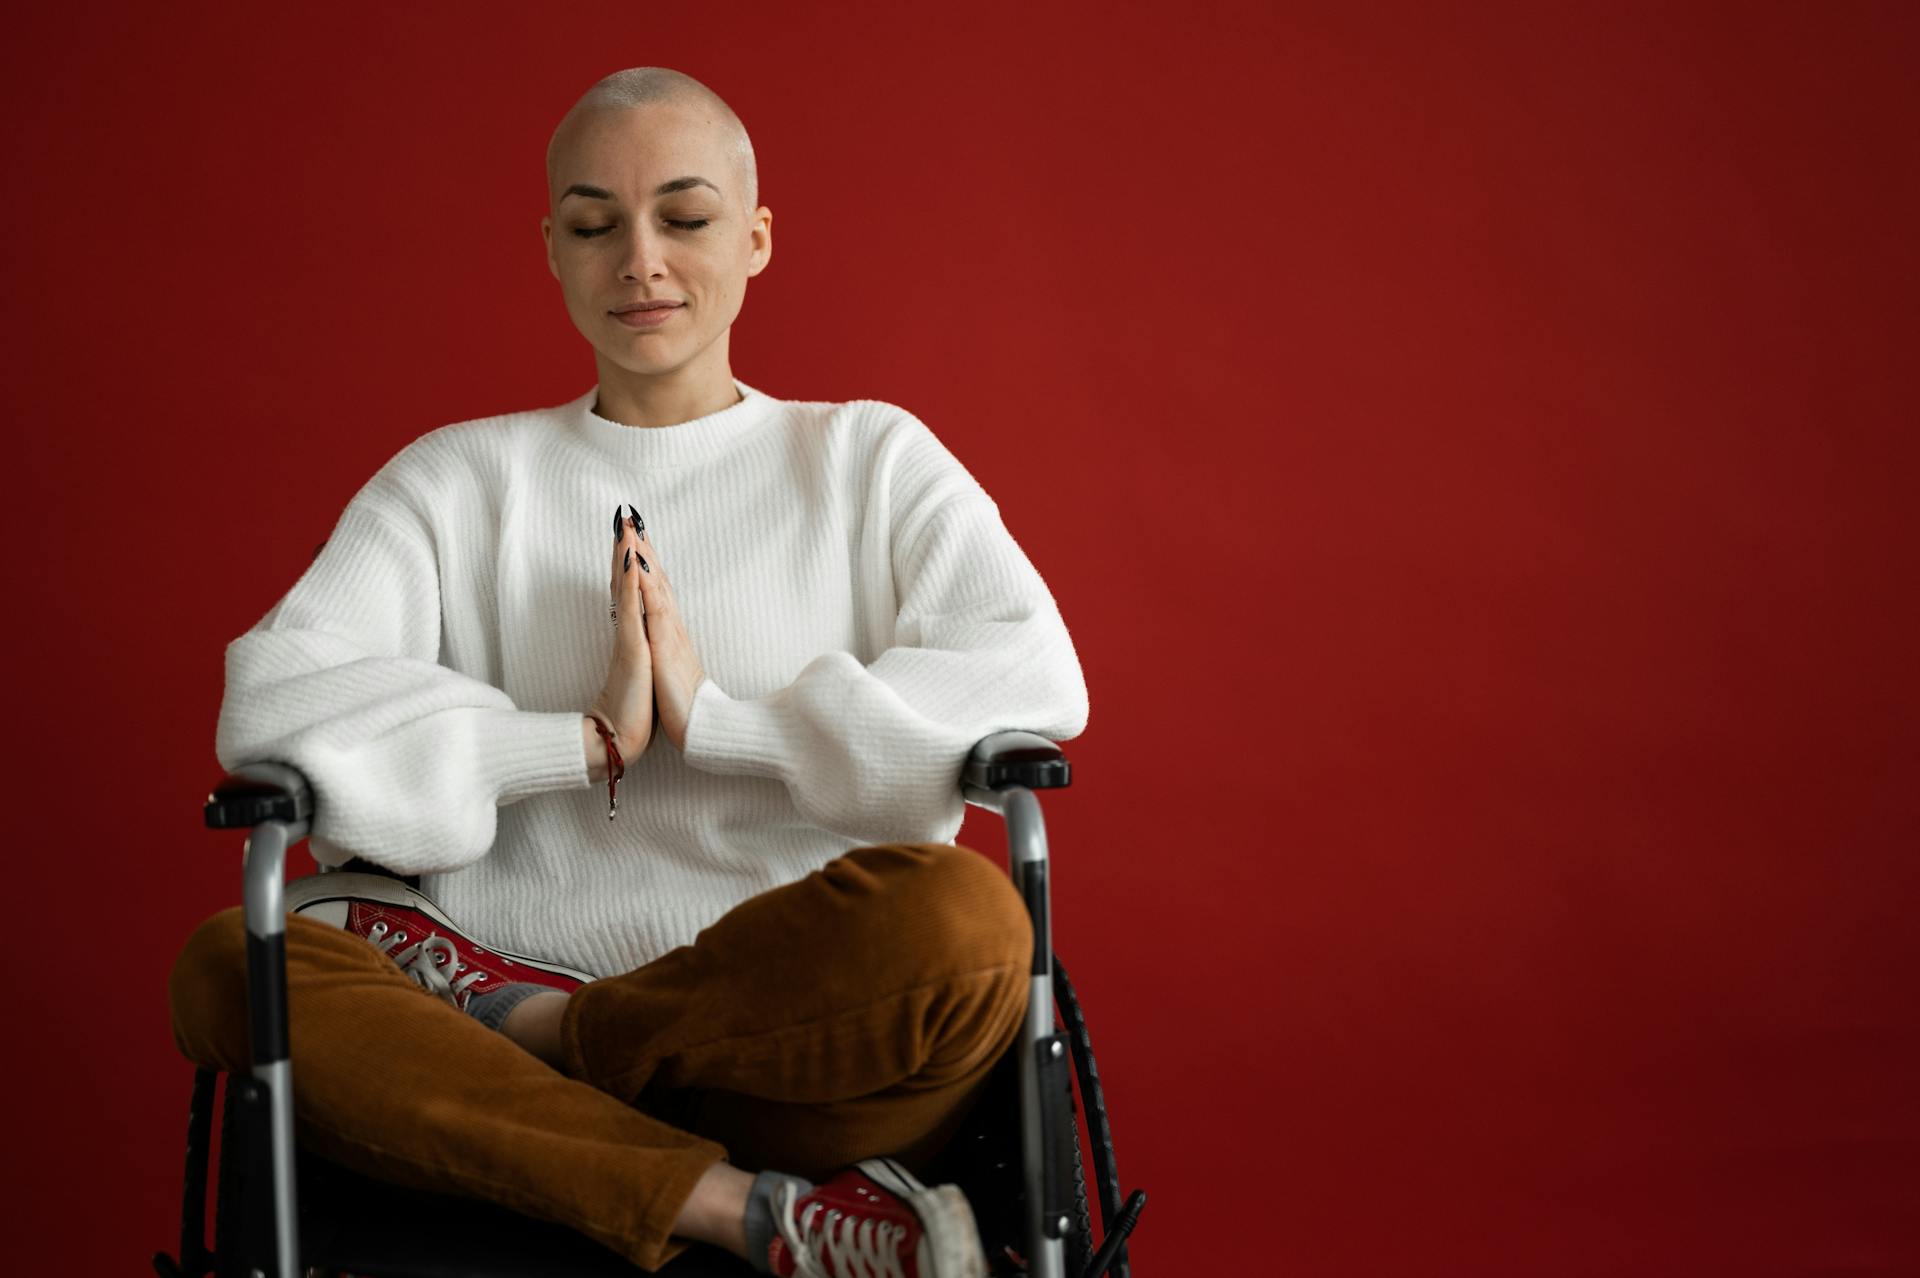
point(655, 671)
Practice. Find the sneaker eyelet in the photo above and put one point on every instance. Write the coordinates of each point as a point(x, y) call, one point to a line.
point(401, 939)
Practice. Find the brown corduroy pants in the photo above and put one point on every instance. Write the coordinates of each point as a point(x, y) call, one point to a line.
point(856, 1011)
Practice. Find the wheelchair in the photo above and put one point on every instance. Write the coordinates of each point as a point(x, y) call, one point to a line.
point(284, 1212)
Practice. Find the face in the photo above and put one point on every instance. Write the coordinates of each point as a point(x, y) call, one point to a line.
point(646, 206)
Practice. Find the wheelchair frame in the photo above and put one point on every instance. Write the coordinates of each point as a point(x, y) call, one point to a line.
point(275, 803)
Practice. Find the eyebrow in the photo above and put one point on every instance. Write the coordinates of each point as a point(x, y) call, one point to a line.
point(665, 188)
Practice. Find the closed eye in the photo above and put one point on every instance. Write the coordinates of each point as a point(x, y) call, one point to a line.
point(588, 232)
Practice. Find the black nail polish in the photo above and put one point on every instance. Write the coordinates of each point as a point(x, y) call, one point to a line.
point(643, 564)
point(616, 522)
point(639, 524)
point(627, 561)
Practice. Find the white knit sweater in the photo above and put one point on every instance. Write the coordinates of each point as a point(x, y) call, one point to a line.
point(863, 614)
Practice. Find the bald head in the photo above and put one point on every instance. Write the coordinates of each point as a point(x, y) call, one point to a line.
point(645, 86)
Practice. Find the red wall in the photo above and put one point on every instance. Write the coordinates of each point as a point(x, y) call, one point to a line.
point(1474, 454)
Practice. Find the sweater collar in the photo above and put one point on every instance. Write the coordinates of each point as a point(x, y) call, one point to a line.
point(681, 444)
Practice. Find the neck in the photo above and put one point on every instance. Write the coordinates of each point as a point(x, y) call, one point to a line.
point(665, 399)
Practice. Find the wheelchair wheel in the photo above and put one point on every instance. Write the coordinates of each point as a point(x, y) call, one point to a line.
point(1116, 1220)
point(984, 1158)
point(1079, 1239)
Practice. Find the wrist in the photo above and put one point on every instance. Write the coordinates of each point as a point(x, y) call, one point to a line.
point(596, 749)
point(615, 766)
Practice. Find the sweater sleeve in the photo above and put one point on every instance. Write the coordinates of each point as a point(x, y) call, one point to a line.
point(874, 752)
point(408, 758)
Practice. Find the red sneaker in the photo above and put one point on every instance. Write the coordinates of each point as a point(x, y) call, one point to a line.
point(875, 1220)
point(406, 926)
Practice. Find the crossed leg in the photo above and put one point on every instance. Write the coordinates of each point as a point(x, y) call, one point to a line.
point(853, 1012)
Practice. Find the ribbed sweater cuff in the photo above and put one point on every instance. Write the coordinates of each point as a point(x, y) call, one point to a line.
point(526, 752)
point(738, 737)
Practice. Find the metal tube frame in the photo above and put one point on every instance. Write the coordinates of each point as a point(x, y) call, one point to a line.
point(1027, 865)
point(266, 921)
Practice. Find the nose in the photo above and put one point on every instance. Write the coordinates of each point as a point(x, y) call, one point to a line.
point(646, 253)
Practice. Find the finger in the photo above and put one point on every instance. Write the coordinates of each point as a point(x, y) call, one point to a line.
point(654, 595)
point(633, 603)
point(619, 544)
point(637, 522)
point(652, 583)
point(620, 588)
point(656, 578)
point(647, 569)
point(630, 632)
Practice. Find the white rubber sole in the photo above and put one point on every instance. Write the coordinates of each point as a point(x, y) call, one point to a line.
point(952, 1238)
point(326, 898)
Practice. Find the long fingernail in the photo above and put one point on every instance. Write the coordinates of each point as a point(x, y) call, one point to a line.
point(643, 564)
point(627, 562)
point(639, 524)
point(616, 520)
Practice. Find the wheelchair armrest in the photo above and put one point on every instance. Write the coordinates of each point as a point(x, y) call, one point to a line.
point(256, 792)
point(1016, 758)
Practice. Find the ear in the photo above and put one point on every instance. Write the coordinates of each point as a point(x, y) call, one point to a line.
point(761, 231)
point(546, 235)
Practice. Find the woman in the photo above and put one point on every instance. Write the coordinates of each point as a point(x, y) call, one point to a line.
point(771, 962)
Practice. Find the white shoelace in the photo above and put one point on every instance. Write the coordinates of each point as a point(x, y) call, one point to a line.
point(858, 1248)
point(417, 961)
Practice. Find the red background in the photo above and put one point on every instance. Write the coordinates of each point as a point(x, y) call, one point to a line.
point(1473, 452)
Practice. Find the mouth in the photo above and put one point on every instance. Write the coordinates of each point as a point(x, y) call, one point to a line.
point(647, 314)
